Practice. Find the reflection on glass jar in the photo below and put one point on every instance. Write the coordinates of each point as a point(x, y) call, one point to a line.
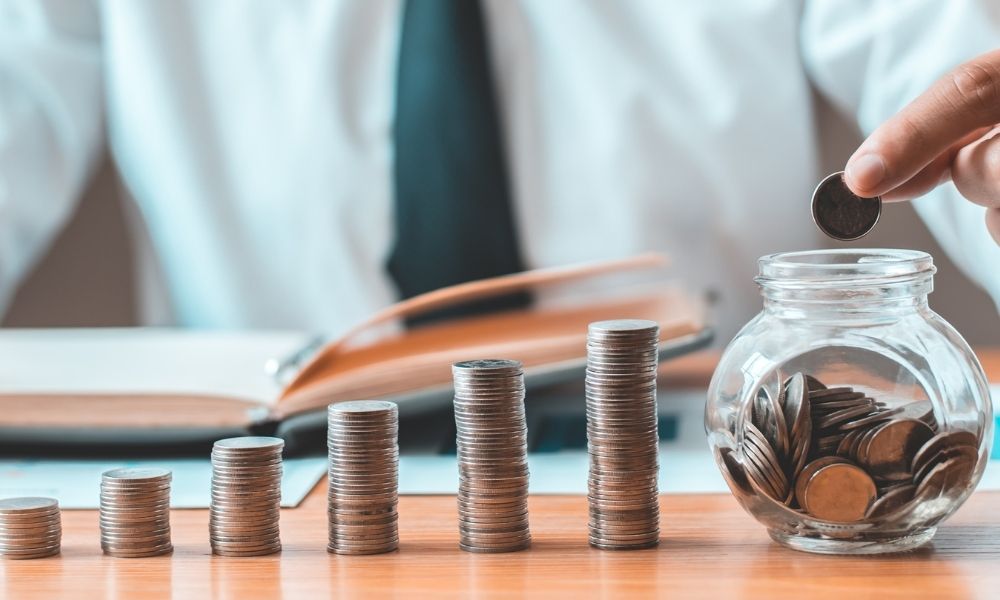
point(848, 417)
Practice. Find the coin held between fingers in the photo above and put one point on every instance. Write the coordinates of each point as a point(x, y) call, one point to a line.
point(840, 213)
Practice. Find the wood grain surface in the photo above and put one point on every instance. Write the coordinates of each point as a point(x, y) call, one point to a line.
point(710, 548)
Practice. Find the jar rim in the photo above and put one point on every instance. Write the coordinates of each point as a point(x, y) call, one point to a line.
point(845, 267)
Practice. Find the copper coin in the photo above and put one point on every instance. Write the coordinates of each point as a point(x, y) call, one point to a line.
point(796, 409)
point(756, 474)
point(840, 492)
point(942, 477)
point(939, 442)
point(768, 417)
point(834, 393)
point(838, 417)
point(890, 452)
point(876, 417)
point(967, 454)
point(809, 470)
point(845, 445)
point(891, 501)
point(921, 410)
point(813, 384)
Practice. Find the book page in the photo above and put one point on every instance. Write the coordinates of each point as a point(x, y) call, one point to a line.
point(142, 361)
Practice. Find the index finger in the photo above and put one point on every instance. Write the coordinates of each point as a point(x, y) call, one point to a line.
point(959, 103)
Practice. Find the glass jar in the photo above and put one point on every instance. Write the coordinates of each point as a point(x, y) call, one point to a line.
point(848, 417)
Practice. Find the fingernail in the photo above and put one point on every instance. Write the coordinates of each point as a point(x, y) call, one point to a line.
point(866, 171)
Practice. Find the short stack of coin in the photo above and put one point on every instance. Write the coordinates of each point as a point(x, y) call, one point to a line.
point(843, 457)
point(135, 512)
point(622, 434)
point(362, 439)
point(492, 456)
point(29, 528)
point(246, 496)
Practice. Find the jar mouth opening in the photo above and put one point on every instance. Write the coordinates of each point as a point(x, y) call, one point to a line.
point(845, 267)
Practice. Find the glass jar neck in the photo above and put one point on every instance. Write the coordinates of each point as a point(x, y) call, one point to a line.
point(845, 284)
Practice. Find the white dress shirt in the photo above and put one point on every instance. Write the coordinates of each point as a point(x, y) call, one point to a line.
point(255, 136)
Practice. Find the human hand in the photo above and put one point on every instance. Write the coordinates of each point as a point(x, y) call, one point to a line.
point(951, 131)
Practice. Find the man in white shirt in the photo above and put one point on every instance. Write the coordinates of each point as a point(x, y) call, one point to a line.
point(258, 138)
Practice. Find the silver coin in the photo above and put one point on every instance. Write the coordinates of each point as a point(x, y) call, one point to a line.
point(146, 553)
point(362, 477)
point(244, 514)
point(137, 474)
point(31, 554)
point(492, 450)
point(28, 505)
point(622, 437)
point(32, 540)
point(249, 444)
point(239, 552)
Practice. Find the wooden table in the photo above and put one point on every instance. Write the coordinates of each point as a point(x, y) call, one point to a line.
point(710, 548)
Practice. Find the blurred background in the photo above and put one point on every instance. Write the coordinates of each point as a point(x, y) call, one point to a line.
point(86, 278)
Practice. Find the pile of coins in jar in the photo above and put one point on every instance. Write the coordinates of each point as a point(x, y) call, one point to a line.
point(840, 456)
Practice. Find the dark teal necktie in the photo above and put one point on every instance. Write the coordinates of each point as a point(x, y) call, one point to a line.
point(453, 211)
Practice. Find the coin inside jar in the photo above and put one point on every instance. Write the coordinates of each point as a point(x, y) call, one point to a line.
point(840, 492)
point(840, 213)
point(732, 471)
point(891, 500)
point(900, 448)
point(890, 452)
point(807, 473)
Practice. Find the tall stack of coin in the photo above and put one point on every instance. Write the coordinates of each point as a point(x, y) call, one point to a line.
point(364, 477)
point(492, 456)
point(622, 434)
point(135, 512)
point(29, 528)
point(246, 496)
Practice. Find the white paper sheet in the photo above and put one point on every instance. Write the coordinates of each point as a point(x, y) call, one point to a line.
point(76, 483)
point(143, 360)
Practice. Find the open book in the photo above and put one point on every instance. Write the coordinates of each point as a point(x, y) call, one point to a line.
point(147, 385)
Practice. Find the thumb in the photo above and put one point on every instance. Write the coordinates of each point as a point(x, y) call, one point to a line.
point(957, 105)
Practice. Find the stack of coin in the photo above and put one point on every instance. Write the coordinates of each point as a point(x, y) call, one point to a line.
point(135, 512)
point(622, 434)
point(844, 457)
point(246, 496)
point(364, 477)
point(29, 528)
point(492, 456)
